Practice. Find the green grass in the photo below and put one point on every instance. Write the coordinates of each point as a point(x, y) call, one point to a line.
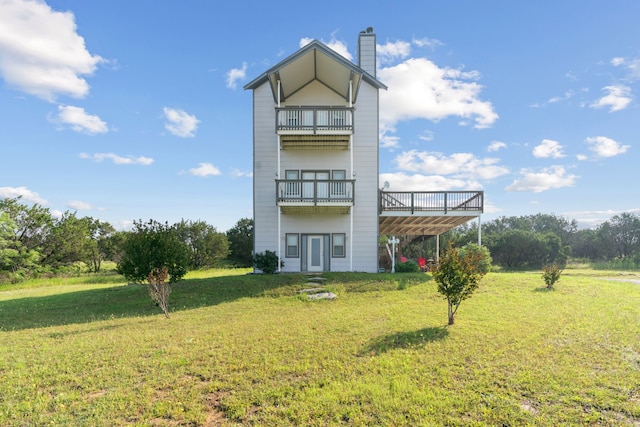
point(249, 350)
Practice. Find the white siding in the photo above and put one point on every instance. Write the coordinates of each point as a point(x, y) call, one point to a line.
point(265, 152)
point(365, 154)
point(364, 239)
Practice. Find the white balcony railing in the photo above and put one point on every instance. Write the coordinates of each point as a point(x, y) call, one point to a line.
point(431, 201)
point(314, 119)
point(303, 191)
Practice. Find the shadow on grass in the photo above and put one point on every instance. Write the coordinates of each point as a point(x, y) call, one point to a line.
point(134, 301)
point(405, 340)
point(544, 289)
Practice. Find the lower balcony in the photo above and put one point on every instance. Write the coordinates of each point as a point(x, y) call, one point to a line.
point(315, 196)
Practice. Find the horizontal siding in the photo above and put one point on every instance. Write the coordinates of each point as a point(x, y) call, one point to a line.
point(265, 143)
point(365, 154)
point(364, 240)
point(315, 224)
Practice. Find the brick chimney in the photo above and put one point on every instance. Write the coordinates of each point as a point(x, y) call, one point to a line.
point(367, 51)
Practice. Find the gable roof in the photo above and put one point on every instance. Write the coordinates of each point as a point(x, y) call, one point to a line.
point(315, 61)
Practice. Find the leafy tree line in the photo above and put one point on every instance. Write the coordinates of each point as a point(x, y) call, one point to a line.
point(533, 241)
point(34, 243)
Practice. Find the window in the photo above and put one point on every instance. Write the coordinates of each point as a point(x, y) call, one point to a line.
point(292, 245)
point(338, 246)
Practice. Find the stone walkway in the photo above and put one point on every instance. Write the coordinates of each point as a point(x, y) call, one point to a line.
point(317, 292)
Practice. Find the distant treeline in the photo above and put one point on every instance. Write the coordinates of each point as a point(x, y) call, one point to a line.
point(33, 243)
point(532, 241)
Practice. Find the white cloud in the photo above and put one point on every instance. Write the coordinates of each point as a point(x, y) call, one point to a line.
point(460, 165)
point(618, 98)
point(80, 206)
point(567, 95)
point(418, 182)
point(237, 173)
point(391, 51)
point(205, 169)
point(236, 74)
point(419, 89)
point(79, 120)
point(426, 42)
point(389, 141)
point(631, 65)
point(23, 192)
point(545, 179)
point(548, 148)
point(427, 135)
point(40, 51)
point(605, 147)
point(180, 123)
point(496, 146)
point(616, 62)
point(118, 160)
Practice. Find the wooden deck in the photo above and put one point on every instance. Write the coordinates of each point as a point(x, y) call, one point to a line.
point(427, 213)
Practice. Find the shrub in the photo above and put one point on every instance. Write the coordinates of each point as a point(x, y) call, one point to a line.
point(409, 266)
point(551, 274)
point(150, 247)
point(482, 256)
point(266, 261)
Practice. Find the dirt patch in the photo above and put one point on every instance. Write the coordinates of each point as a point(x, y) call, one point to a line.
point(215, 414)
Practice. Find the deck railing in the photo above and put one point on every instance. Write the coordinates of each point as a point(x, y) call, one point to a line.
point(305, 191)
point(431, 201)
point(314, 119)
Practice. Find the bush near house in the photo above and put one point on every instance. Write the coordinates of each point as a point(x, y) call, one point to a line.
point(266, 261)
point(409, 266)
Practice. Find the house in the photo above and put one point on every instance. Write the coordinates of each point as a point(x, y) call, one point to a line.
point(316, 196)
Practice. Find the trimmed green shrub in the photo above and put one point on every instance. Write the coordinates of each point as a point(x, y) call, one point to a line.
point(409, 266)
point(266, 261)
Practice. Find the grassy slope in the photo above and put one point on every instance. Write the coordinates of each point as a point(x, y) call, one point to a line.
point(249, 350)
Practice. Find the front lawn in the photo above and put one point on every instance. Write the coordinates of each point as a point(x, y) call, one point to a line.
point(250, 350)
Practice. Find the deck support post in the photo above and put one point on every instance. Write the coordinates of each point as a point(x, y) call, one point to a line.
point(393, 241)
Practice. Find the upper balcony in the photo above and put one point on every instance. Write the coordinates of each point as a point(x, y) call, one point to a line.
point(314, 128)
point(315, 195)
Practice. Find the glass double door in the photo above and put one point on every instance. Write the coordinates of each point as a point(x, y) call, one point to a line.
point(315, 185)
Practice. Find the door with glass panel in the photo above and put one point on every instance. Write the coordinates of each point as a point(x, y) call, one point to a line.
point(315, 253)
point(315, 185)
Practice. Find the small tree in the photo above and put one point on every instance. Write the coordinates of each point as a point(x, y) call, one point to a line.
point(551, 274)
point(457, 277)
point(159, 289)
point(150, 247)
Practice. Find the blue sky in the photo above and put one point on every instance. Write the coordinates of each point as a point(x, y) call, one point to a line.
point(126, 110)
